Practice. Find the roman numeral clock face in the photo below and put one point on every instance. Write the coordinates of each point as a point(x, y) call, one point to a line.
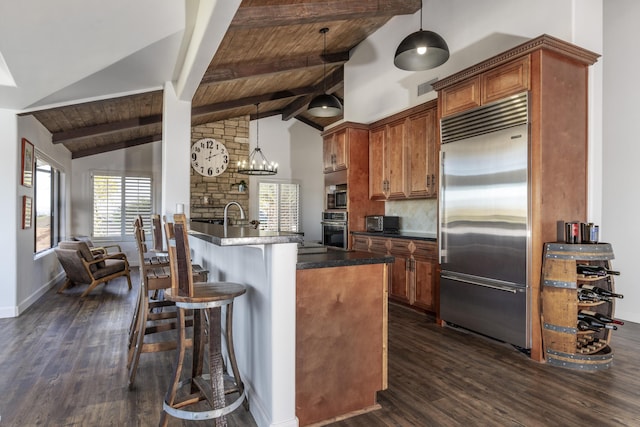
point(209, 157)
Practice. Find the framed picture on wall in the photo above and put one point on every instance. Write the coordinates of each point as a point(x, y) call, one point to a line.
point(27, 163)
point(27, 205)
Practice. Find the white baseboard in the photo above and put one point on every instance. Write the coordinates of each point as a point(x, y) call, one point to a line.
point(39, 292)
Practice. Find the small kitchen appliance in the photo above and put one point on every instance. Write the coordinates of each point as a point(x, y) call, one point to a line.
point(382, 224)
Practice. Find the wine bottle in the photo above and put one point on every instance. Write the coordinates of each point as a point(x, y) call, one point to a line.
point(598, 317)
point(585, 326)
point(600, 291)
point(594, 270)
point(593, 325)
point(590, 296)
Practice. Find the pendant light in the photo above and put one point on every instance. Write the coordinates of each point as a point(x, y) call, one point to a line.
point(421, 50)
point(257, 163)
point(325, 105)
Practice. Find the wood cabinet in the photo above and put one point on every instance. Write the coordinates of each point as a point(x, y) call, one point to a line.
point(495, 84)
point(414, 274)
point(335, 150)
point(555, 74)
point(346, 154)
point(422, 152)
point(341, 340)
point(402, 155)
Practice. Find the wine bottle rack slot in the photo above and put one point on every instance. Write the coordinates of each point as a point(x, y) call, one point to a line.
point(578, 304)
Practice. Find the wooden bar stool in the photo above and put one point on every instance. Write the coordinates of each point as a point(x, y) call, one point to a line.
point(206, 301)
point(153, 314)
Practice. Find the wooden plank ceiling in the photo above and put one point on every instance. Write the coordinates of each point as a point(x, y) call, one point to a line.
point(271, 54)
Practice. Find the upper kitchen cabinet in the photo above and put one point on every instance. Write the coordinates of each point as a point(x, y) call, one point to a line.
point(402, 155)
point(492, 85)
point(422, 147)
point(555, 75)
point(336, 154)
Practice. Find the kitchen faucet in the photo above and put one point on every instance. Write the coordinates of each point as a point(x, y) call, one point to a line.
point(226, 208)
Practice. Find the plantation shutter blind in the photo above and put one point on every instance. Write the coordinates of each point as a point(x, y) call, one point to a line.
point(116, 202)
point(278, 206)
point(137, 201)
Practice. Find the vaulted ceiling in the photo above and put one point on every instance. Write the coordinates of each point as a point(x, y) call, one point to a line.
point(271, 54)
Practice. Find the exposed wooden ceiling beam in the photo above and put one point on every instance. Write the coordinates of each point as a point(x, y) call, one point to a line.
point(333, 82)
point(296, 13)
point(235, 71)
point(109, 128)
point(242, 102)
point(117, 146)
point(310, 123)
point(104, 129)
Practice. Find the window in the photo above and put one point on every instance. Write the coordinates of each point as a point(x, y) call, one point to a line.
point(47, 196)
point(117, 200)
point(278, 206)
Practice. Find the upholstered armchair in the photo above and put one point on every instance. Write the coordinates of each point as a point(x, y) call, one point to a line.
point(103, 249)
point(84, 266)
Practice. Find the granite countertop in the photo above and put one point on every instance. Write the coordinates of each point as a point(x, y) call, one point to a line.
point(239, 236)
point(340, 258)
point(429, 236)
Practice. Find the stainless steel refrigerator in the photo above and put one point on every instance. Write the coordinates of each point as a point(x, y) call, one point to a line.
point(484, 221)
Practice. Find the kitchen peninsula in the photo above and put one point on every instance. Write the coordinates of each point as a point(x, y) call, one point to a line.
point(307, 325)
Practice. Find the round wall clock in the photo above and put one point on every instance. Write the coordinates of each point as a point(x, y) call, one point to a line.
point(209, 157)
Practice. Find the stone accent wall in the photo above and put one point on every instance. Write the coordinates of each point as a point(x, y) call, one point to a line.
point(209, 195)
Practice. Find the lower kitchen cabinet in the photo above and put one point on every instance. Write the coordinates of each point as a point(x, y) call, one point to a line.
point(414, 275)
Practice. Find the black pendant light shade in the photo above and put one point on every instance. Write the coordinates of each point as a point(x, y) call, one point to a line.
point(325, 105)
point(421, 50)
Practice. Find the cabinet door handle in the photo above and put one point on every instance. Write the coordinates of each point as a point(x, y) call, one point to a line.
point(428, 182)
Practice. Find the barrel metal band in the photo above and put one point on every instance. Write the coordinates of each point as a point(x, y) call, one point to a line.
point(597, 251)
point(582, 366)
point(563, 329)
point(560, 284)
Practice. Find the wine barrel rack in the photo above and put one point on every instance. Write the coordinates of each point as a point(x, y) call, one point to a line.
point(563, 344)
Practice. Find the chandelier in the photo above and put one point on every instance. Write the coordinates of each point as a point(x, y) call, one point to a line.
point(257, 163)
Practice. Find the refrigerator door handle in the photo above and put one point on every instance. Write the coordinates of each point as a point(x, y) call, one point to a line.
point(486, 285)
point(440, 207)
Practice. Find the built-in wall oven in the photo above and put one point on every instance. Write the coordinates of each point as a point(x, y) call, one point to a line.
point(334, 229)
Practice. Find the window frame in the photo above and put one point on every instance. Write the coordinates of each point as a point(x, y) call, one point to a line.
point(125, 226)
point(55, 192)
point(280, 182)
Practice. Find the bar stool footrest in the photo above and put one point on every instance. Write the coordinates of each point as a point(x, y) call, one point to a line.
point(186, 414)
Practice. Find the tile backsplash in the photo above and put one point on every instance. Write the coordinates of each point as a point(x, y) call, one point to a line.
point(419, 216)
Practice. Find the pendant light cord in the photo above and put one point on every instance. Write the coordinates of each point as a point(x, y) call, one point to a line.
point(257, 125)
point(324, 32)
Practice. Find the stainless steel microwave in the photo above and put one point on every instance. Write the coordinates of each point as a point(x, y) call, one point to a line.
point(382, 224)
point(337, 199)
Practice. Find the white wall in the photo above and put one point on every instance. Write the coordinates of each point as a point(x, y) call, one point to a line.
point(10, 192)
point(474, 31)
point(35, 273)
point(297, 148)
point(621, 174)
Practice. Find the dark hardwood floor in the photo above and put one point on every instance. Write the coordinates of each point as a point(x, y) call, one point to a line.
point(62, 363)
